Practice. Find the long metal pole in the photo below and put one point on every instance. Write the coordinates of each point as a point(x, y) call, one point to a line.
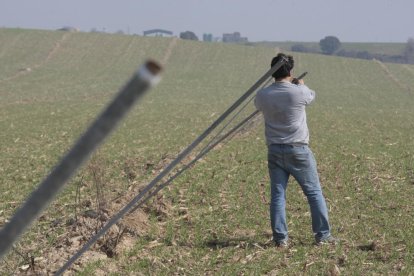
point(146, 76)
point(164, 172)
point(203, 152)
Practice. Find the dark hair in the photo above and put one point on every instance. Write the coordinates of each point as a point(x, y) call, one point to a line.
point(283, 71)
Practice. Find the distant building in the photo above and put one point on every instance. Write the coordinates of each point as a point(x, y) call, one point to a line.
point(158, 32)
point(234, 38)
point(207, 37)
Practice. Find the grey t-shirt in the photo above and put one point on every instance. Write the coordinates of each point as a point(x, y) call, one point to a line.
point(283, 107)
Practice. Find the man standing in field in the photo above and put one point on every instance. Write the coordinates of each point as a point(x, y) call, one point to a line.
point(287, 136)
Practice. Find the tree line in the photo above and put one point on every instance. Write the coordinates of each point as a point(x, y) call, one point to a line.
point(331, 45)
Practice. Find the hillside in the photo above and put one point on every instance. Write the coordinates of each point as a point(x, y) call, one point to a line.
point(53, 84)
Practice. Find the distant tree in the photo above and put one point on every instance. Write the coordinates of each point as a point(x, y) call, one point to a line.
point(364, 55)
point(393, 58)
point(409, 51)
point(303, 49)
point(188, 35)
point(329, 45)
point(299, 48)
point(68, 29)
point(345, 53)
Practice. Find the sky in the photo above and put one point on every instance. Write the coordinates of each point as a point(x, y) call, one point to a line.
point(258, 20)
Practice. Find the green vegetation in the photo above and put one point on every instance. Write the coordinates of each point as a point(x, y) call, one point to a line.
point(217, 221)
point(390, 48)
point(386, 48)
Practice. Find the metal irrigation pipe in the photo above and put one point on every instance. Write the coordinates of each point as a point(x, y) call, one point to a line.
point(212, 144)
point(209, 146)
point(166, 170)
point(146, 76)
point(235, 116)
point(203, 152)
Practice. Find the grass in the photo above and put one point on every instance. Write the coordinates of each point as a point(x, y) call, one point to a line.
point(361, 133)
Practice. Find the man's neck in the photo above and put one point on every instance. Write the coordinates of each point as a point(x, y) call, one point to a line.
point(285, 79)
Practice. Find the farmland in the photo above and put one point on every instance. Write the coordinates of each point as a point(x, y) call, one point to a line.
point(214, 218)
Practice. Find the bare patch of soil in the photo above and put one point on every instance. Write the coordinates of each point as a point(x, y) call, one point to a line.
point(80, 228)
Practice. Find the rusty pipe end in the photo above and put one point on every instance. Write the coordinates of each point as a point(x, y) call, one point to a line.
point(150, 72)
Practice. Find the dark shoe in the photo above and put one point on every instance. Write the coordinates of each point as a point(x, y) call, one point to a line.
point(329, 240)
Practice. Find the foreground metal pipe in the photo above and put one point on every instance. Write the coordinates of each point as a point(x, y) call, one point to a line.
point(167, 169)
point(146, 76)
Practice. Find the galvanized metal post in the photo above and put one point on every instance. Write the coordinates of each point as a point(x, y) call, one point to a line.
point(169, 167)
point(146, 76)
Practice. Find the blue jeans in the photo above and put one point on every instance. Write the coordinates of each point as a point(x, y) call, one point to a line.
point(298, 161)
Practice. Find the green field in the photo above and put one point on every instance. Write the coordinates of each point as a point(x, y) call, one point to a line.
point(214, 218)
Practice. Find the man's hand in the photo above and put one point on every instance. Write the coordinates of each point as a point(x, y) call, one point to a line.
point(297, 81)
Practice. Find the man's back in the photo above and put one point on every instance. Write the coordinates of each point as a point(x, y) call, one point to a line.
point(283, 107)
